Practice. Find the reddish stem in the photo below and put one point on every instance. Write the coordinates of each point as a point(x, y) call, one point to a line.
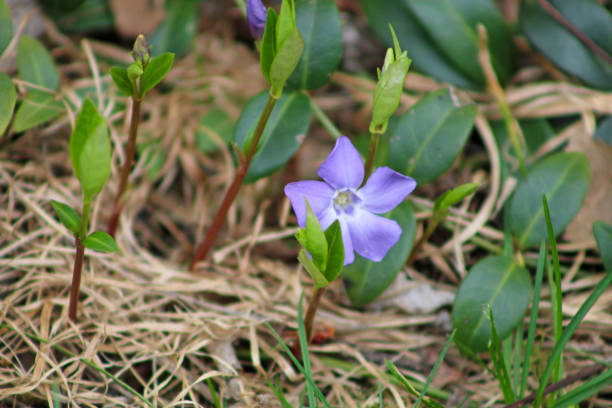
point(234, 188)
point(76, 280)
point(311, 311)
point(130, 152)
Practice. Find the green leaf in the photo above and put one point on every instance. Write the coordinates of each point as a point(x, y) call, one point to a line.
point(6, 26)
point(603, 236)
point(496, 283)
point(177, 31)
point(604, 131)
point(283, 135)
point(90, 150)
point(335, 254)
point(216, 121)
point(285, 61)
point(8, 97)
point(454, 195)
point(314, 240)
point(319, 23)
point(38, 107)
point(425, 55)
point(155, 71)
point(120, 78)
point(100, 241)
point(364, 279)
point(68, 216)
point(562, 47)
point(91, 15)
point(317, 276)
point(268, 44)
point(35, 63)
point(430, 136)
point(564, 178)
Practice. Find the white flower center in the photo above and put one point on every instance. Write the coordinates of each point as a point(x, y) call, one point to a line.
point(345, 201)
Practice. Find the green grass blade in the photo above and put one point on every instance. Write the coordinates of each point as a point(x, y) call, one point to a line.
point(584, 391)
point(435, 368)
point(380, 395)
point(279, 394)
point(214, 393)
point(516, 362)
point(404, 381)
point(305, 354)
point(569, 330)
point(499, 362)
point(558, 313)
point(535, 305)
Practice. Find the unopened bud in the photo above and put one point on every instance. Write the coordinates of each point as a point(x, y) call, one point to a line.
point(141, 50)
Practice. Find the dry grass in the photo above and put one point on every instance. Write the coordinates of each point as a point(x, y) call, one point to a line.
point(144, 318)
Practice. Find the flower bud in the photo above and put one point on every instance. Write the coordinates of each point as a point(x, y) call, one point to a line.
point(389, 87)
point(256, 16)
point(141, 50)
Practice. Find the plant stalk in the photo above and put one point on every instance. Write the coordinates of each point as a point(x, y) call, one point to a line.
point(231, 193)
point(78, 263)
point(372, 150)
point(431, 227)
point(311, 311)
point(130, 152)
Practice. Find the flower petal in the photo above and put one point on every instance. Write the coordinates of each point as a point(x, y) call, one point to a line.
point(372, 236)
point(385, 189)
point(318, 194)
point(343, 167)
point(256, 16)
point(349, 255)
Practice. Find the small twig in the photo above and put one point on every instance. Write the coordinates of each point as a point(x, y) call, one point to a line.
point(560, 18)
point(76, 280)
point(583, 374)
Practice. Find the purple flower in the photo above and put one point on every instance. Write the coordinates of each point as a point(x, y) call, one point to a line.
point(339, 197)
point(256, 15)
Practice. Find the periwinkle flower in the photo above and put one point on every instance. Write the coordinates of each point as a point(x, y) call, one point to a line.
point(339, 197)
point(256, 16)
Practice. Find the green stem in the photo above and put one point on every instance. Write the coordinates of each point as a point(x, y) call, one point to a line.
point(88, 363)
point(130, 152)
point(243, 166)
point(311, 311)
point(78, 263)
point(324, 119)
point(369, 165)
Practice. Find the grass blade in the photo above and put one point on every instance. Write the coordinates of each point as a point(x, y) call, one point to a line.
point(435, 368)
point(305, 354)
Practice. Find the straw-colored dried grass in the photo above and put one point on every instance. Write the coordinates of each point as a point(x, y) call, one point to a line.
point(144, 318)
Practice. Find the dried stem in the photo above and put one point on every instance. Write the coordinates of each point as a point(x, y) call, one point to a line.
point(311, 311)
point(130, 152)
point(243, 167)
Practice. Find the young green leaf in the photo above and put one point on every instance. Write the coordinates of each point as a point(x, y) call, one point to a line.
point(90, 150)
point(317, 276)
point(120, 78)
point(35, 63)
point(67, 215)
point(286, 59)
point(335, 255)
point(8, 97)
point(268, 44)
point(6, 26)
point(100, 241)
point(454, 195)
point(155, 71)
point(316, 243)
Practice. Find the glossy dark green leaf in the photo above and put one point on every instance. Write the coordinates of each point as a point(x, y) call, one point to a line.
point(564, 178)
point(155, 71)
point(6, 26)
point(603, 236)
point(67, 215)
point(90, 150)
point(8, 97)
point(283, 135)
point(590, 18)
point(604, 131)
point(90, 15)
point(319, 23)
point(216, 126)
point(38, 107)
point(365, 280)
point(100, 241)
point(498, 284)
point(35, 63)
point(562, 47)
point(412, 36)
point(430, 136)
point(175, 34)
point(536, 132)
point(454, 195)
point(335, 255)
point(120, 78)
